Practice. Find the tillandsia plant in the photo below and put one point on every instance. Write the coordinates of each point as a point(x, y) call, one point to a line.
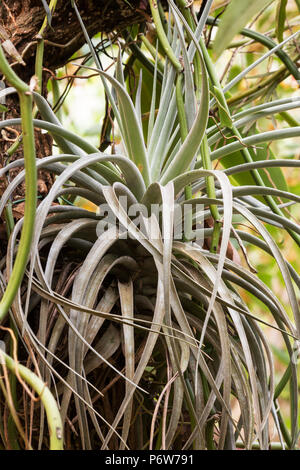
point(135, 314)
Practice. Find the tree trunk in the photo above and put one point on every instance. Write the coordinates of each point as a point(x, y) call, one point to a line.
point(22, 20)
point(20, 23)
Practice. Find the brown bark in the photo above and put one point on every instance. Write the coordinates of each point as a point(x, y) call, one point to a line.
point(22, 20)
point(43, 145)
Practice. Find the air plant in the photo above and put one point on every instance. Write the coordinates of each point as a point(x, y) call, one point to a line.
point(135, 312)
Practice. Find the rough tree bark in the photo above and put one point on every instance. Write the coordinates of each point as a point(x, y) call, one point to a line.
point(21, 21)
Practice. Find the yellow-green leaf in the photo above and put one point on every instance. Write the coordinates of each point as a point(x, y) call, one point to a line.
point(280, 19)
point(3, 109)
point(236, 16)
